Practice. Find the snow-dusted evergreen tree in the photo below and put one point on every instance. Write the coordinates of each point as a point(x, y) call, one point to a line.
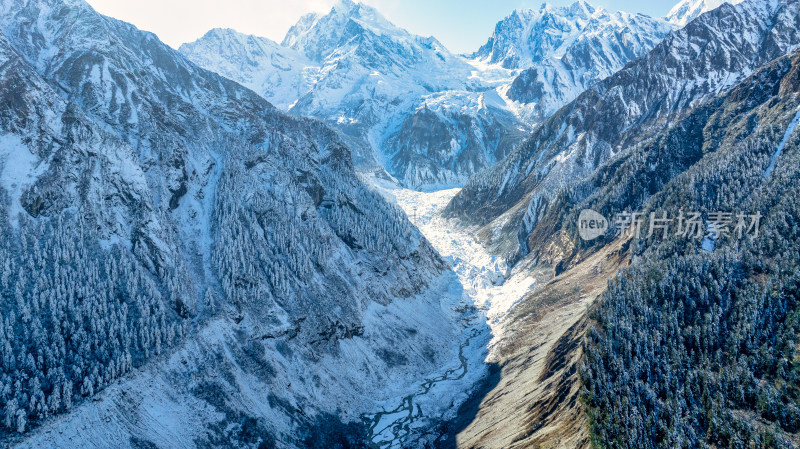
point(75, 316)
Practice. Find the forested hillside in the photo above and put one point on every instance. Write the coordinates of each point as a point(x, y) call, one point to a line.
point(695, 345)
point(692, 345)
point(79, 311)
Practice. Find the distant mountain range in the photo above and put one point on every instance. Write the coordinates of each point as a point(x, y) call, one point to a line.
point(406, 104)
point(563, 51)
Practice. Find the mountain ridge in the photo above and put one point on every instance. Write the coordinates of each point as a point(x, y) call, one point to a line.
point(687, 10)
point(571, 144)
point(562, 51)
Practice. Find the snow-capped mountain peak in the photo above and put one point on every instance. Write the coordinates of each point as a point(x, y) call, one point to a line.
point(317, 36)
point(582, 8)
point(562, 51)
point(688, 10)
point(345, 6)
point(528, 36)
point(366, 77)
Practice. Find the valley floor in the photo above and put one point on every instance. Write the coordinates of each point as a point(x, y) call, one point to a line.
point(537, 324)
point(482, 280)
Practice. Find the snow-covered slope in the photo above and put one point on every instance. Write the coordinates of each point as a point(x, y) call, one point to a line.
point(167, 228)
point(273, 71)
point(687, 10)
point(564, 50)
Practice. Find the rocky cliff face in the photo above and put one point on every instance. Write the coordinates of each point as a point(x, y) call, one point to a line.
point(443, 141)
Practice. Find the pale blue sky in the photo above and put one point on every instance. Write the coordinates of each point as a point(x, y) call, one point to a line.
point(462, 25)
